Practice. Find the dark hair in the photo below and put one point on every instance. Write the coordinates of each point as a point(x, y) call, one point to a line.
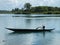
point(43, 26)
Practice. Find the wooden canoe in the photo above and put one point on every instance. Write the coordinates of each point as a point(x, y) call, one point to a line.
point(29, 30)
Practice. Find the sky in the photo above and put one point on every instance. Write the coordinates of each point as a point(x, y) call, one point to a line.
point(11, 4)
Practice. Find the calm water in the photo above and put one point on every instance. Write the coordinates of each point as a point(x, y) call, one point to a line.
point(29, 21)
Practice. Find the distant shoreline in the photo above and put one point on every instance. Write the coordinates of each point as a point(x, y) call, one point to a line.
point(33, 10)
point(29, 13)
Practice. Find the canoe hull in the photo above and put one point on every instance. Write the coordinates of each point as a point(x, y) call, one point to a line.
point(30, 30)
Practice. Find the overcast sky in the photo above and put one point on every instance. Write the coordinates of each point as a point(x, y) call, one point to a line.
point(11, 4)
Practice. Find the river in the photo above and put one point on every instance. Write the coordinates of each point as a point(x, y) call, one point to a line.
point(29, 21)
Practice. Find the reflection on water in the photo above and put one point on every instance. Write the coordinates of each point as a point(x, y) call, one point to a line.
point(29, 38)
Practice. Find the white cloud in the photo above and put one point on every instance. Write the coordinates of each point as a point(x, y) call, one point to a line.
point(20, 3)
point(9, 4)
point(14, 1)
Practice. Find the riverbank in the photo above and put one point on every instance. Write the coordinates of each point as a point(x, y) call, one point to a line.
point(30, 12)
point(33, 10)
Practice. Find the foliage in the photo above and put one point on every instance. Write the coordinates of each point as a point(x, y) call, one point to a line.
point(27, 6)
point(37, 9)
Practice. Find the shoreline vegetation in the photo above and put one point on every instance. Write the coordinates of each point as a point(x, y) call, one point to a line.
point(28, 9)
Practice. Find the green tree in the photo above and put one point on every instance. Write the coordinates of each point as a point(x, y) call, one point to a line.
point(16, 9)
point(27, 6)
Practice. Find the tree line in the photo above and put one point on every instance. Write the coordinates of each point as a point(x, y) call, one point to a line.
point(37, 9)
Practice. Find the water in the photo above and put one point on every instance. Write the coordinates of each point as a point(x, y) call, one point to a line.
point(30, 21)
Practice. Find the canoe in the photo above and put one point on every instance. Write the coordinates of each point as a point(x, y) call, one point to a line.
point(29, 30)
